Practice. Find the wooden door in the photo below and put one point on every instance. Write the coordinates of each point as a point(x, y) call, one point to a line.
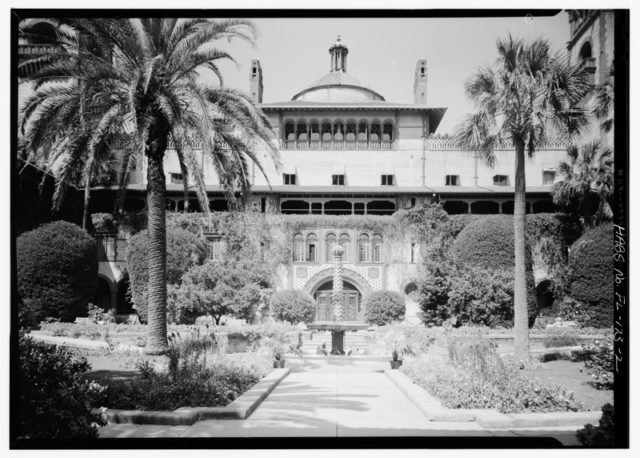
point(323, 310)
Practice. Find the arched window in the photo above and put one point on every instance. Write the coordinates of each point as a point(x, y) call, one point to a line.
point(363, 131)
point(345, 243)
point(338, 131)
point(330, 241)
point(325, 133)
point(585, 51)
point(351, 132)
point(289, 131)
point(315, 131)
point(387, 132)
point(377, 248)
point(312, 248)
point(375, 134)
point(301, 132)
point(298, 248)
point(364, 248)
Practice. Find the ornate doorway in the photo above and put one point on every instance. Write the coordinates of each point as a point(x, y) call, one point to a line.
point(352, 310)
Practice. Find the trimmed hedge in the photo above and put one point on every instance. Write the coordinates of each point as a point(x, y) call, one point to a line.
point(489, 243)
point(591, 274)
point(384, 307)
point(294, 306)
point(57, 270)
point(184, 250)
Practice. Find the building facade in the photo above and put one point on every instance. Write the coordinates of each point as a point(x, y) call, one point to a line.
point(346, 150)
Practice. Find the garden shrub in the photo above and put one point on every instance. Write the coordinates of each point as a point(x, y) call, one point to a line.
point(383, 307)
point(234, 287)
point(54, 402)
point(57, 271)
point(602, 435)
point(294, 306)
point(466, 295)
point(104, 223)
point(184, 250)
point(599, 360)
point(591, 274)
point(471, 375)
point(196, 376)
point(560, 341)
point(489, 242)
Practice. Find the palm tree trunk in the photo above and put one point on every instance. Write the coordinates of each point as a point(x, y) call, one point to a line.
point(157, 286)
point(521, 319)
point(87, 197)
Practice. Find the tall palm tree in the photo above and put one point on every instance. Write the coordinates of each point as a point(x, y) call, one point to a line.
point(587, 177)
point(86, 166)
point(603, 101)
point(154, 85)
point(528, 95)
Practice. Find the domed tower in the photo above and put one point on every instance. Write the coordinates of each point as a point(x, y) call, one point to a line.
point(338, 85)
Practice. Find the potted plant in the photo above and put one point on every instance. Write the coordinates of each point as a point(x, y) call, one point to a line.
point(278, 358)
point(395, 361)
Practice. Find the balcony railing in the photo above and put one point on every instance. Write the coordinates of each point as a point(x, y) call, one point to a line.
point(36, 49)
point(336, 145)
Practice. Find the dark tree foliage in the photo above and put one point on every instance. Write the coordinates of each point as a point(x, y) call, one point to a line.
point(57, 270)
point(591, 273)
point(602, 435)
point(184, 250)
point(489, 243)
point(54, 402)
point(294, 306)
point(384, 307)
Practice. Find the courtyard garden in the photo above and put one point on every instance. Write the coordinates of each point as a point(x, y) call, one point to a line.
point(228, 326)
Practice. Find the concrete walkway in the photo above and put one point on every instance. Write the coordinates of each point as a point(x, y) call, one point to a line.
point(330, 398)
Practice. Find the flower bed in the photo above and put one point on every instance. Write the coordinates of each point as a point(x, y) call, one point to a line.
point(197, 374)
point(135, 334)
point(471, 375)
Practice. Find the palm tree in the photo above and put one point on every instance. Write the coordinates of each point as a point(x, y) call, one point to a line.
point(149, 79)
point(586, 178)
point(603, 101)
point(528, 95)
point(86, 166)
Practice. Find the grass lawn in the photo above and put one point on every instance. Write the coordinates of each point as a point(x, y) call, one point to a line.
point(574, 377)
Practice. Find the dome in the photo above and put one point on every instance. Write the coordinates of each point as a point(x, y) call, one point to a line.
point(337, 85)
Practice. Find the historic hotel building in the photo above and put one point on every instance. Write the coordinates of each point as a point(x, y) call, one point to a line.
point(346, 150)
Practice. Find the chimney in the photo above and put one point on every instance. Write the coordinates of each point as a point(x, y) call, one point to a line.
point(255, 81)
point(420, 83)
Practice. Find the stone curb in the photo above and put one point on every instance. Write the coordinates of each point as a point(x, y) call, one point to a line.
point(433, 409)
point(239, 409)
point(532, 420)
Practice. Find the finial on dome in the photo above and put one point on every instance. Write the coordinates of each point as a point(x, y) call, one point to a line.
point(338, 52)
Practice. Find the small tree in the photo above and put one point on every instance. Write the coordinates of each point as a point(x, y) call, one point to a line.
point(384, 307)
point(294, 306)
point(218, 289)
point(184, 250)
point(57, 270)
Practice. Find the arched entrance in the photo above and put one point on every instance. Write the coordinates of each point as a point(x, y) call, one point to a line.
point(352, 307)
point(102, 297)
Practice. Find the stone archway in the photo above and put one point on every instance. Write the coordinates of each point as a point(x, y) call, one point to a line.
point(355, 288)
point(349, 275)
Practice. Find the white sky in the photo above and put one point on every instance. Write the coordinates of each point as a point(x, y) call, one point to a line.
point(383, 54)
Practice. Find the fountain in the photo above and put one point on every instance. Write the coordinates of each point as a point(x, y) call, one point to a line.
point(337, 326)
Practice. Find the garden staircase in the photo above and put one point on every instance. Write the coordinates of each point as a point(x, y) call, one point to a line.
point(358, 342)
